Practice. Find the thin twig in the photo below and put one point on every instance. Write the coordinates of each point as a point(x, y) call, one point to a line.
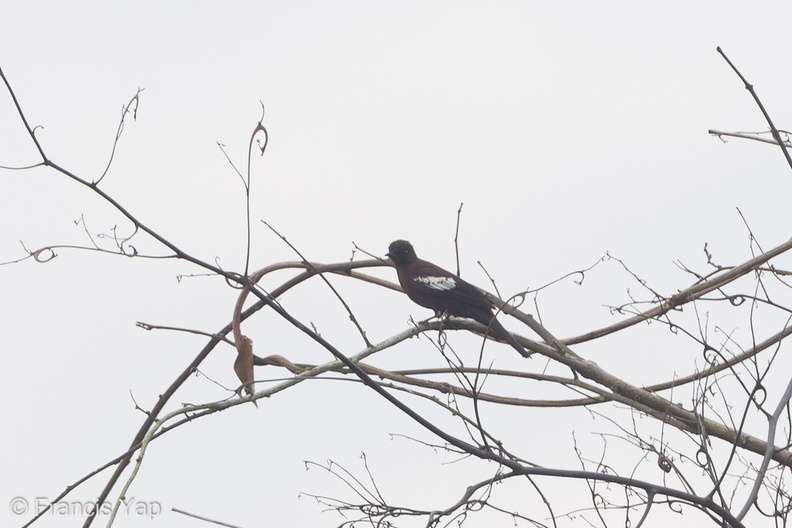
point(750, 88)
point(124, 111)
point(456, 238)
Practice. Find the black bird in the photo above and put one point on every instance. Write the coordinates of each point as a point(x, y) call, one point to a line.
point(440, 290)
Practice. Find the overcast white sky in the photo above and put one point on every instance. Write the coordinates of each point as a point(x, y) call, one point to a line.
point(568, 129)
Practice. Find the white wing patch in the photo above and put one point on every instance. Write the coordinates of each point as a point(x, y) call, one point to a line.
point(437, 283)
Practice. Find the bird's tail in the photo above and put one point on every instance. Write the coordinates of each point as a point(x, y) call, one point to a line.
point(497, 330)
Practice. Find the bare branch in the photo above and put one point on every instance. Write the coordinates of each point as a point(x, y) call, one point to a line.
point(750, 88)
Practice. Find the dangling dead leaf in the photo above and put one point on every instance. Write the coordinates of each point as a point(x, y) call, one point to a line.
point(243, 366)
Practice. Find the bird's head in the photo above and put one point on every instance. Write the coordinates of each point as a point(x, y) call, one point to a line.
point(401, 253)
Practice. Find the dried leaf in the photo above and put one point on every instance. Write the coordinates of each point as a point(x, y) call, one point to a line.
point(243, 366)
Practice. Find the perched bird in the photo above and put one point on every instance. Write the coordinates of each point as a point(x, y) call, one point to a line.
point(440, 290)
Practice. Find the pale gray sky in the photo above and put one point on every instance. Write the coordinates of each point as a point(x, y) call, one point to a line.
point(568, 129)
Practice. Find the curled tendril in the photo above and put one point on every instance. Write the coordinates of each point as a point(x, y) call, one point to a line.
point(599, 500)
point(674, 329)
point(442, 338)
point(702, 459)
point(262, 146)
point(129, 250)
point(44, 255)
point(736, 300)
point(260, 128)
point(236, 280)
point(759, 395)
point(664, 463)
point(710, 355)
point(517, 300)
